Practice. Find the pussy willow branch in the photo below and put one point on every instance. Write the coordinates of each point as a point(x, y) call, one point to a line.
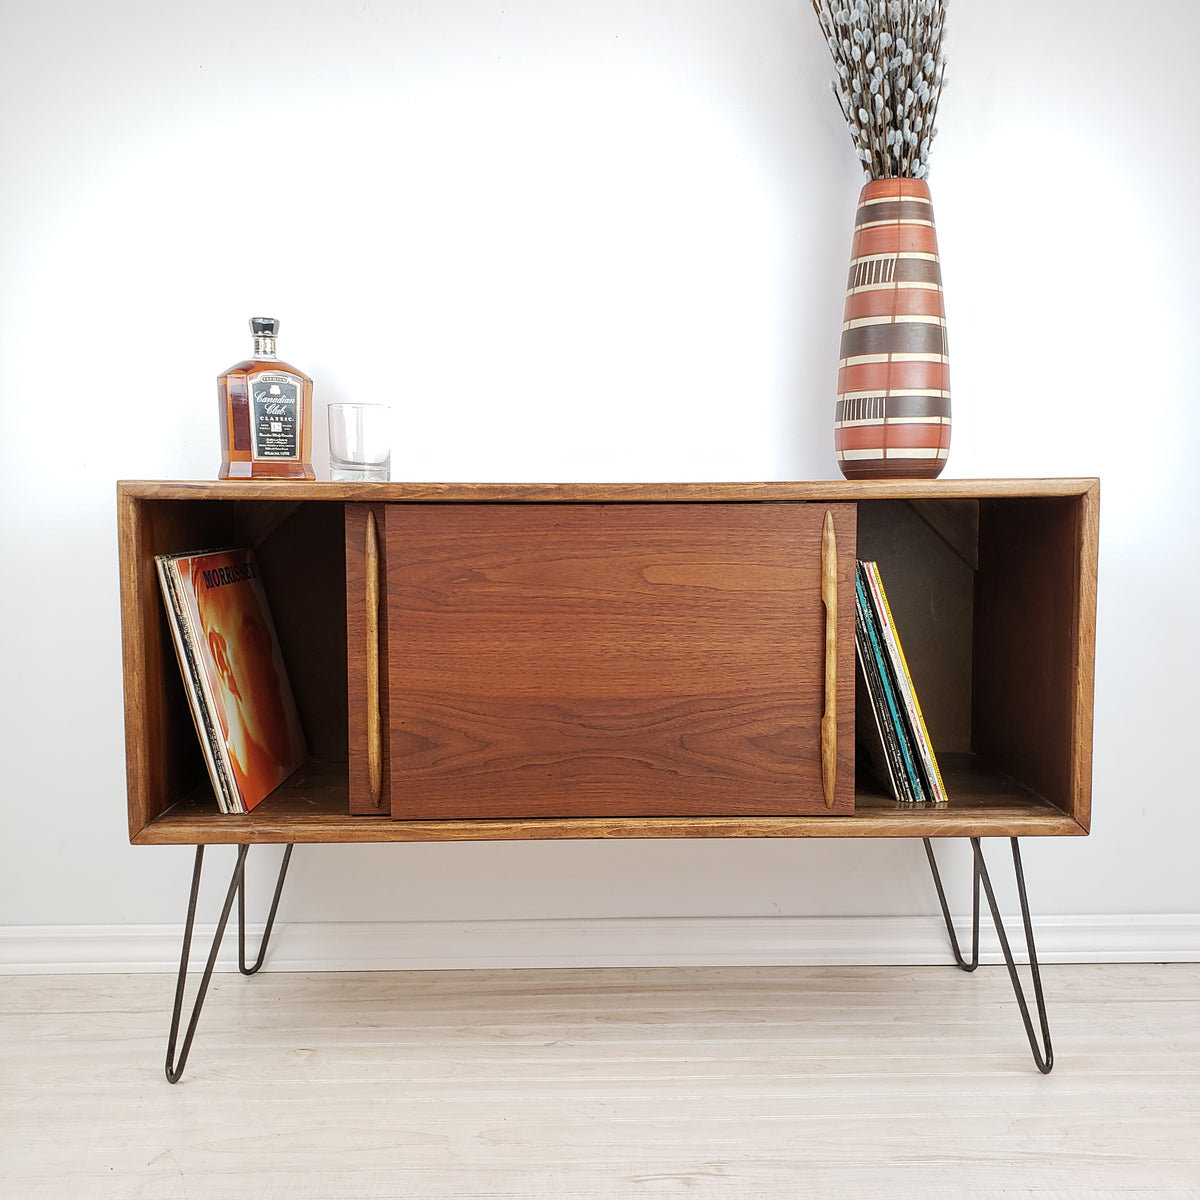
point(890, 69)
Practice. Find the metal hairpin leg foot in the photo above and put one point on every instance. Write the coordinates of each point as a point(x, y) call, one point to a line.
point(266, 937)
point(937, 880)
point(174, 1068)
point(1043, 1054)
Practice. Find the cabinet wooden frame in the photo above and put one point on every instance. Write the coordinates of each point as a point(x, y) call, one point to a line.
point(993, 583)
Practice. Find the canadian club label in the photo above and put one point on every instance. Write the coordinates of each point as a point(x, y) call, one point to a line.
point(275, 416)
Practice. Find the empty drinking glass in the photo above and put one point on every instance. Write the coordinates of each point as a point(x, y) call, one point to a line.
point(360, 443)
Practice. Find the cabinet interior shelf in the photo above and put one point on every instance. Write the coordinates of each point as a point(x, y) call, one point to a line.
point(311, 807)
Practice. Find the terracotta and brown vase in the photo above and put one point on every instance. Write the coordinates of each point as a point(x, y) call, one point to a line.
point(893, 405)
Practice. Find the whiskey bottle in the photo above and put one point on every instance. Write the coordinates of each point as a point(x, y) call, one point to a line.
point(266, 414)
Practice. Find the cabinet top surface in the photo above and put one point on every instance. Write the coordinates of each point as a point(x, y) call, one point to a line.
point(602, 493)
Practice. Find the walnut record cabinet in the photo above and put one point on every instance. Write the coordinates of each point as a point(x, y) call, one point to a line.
point(491, 661)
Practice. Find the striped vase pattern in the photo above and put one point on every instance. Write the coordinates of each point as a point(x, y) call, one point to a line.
point(892, 419)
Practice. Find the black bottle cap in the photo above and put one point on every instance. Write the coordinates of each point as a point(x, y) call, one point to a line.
point(264, 326)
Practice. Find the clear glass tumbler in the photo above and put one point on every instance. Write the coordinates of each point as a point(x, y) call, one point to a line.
point(360, 443)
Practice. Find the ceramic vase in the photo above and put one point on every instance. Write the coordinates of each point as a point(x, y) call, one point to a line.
point(892, 419)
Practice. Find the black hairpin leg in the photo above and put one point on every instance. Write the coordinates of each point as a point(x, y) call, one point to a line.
point(937, 881)
point(174, 1067)
point(1043, 1054)
point(266, 937)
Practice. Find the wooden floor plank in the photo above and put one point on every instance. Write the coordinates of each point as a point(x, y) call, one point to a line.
point(739, 1082)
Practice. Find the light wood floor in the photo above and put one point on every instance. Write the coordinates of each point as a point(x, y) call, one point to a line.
point(749, 1082)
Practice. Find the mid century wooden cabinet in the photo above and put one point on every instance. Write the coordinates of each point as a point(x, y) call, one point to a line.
point(586, 661)
point(488, 661)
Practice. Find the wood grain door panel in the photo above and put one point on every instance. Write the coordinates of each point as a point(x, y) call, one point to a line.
point(597, 660)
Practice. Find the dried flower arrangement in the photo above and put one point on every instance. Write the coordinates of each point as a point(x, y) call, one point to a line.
point(890, 69)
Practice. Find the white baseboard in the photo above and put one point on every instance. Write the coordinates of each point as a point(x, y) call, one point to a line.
point(643, 942)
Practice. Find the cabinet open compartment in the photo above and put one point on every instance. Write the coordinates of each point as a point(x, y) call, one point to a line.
point(994, 598)
point(992, 584)
point(299, 545)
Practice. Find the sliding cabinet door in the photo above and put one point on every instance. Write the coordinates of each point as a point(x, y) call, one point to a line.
point(565, 660)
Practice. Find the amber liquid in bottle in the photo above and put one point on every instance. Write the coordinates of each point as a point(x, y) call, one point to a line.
point(266, 414)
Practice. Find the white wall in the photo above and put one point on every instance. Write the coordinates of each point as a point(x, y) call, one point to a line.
point(569, 241)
